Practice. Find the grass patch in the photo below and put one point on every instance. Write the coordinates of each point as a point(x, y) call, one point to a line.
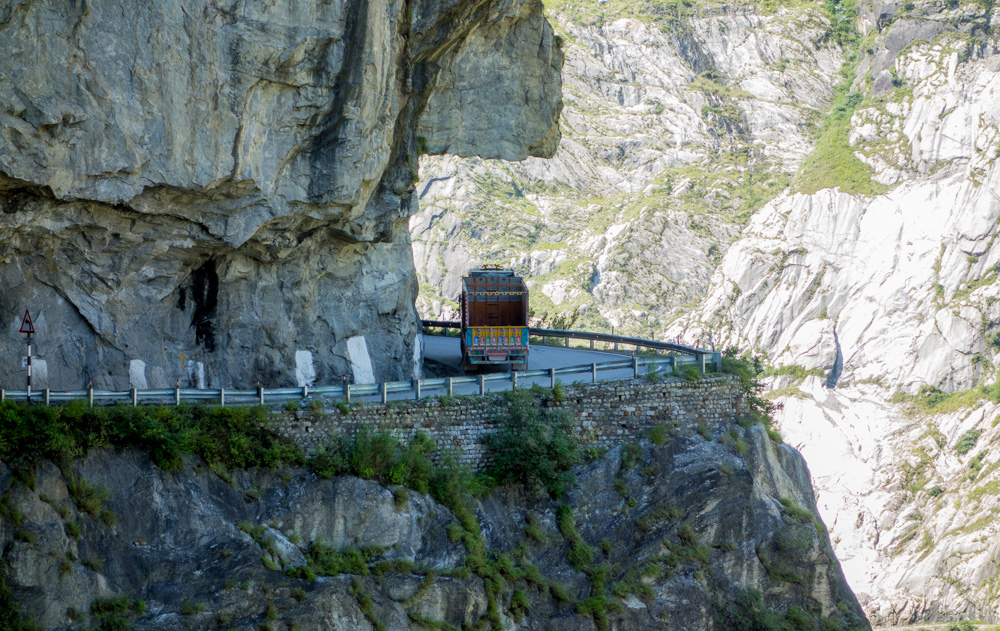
point(967, 441)
point(580, 555)
point(796, 372)
point(801, 515)
point(659, 435)
point(378, 455)
point(325, 560)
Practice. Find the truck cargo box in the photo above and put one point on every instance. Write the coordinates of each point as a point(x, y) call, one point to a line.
point(494, 319)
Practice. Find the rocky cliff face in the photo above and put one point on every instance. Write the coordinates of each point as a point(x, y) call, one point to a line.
point(890, 298)
point(872, 290)
point(674, 131)
point(678, 534)
point(218, 193)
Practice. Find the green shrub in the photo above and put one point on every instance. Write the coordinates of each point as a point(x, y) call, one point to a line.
point(73, 530)
point(233, 437)
point(400, 497)
point(658, 435)
point(801, 515)
point(534, 531)
point(518, 604)
point(967, 441)
point(749, 370)
point(535, 446)
point(112, 613)
point(687, 534)
point(270, 612)
point(188, 609)
point(631, 454)
point(580, 555)
point(688, 373)
point(559, 593)
point(558, 392)
point(378, 455)
point(87, 497)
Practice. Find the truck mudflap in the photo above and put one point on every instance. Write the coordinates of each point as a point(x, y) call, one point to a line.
point(496, 345)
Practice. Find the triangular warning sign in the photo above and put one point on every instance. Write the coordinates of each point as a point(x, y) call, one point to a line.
point(26, 326)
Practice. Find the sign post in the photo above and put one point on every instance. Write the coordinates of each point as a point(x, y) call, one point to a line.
point(28, 328)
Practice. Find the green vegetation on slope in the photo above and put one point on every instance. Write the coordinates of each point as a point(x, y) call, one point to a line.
point(232, 437)
point(932, 400)
point(535, 446)
point(749, 369)
point(660, 12)
point(833, 163)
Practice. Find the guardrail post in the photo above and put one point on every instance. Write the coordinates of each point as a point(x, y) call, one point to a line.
point(135, 397)
point(305, 391)
point(416, 388)
point(593, 373)
point(449, 387)
point(701, 363)
point(177, 393)
point(616, 346)
point(482, 385)
point(513, 380)
point(552, 378)
point(46, 396)
point(222, 397)
point(635, 367)
point(260, 393)
point(383, 392)
point(90, 394)
point(3, 395)
point(566, 342)
point(347, 392)
point(591, 344)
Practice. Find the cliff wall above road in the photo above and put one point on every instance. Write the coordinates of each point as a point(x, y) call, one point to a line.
point(218, 192)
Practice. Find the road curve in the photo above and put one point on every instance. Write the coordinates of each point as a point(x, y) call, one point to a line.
point(448, 351)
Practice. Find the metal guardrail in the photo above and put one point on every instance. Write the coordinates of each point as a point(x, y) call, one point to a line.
point(715, 357)
point(419, 388)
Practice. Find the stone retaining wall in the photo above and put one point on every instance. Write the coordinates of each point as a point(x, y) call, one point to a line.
point(607, 414)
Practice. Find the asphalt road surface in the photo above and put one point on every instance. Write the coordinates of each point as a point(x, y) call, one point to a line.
point(446, 351)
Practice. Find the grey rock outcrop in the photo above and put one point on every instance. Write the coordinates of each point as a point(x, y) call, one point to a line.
point(680, 533)
point(892, 297)
point(218, 193)
point(671, 131)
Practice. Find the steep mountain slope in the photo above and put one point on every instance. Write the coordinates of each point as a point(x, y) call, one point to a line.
point(673, 133)
point(870, 283)
point(892, 298)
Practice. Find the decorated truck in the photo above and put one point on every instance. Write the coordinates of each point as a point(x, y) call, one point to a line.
point(494, 319)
